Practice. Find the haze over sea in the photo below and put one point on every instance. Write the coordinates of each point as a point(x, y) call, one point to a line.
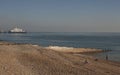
point(74, 39)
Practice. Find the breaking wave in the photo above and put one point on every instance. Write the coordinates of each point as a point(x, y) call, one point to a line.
point(59, 48)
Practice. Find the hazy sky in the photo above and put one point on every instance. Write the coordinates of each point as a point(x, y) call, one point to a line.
point(61, 15)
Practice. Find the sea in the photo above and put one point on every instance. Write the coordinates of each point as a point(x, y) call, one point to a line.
point(101, 40)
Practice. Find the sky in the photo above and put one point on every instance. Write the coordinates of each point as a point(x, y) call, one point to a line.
point(61, 15)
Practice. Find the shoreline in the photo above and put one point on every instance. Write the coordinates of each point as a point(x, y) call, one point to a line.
point(84, 51)
point(72, 50)
point(69, 50)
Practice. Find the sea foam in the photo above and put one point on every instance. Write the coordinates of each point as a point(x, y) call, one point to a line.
point(60, 48)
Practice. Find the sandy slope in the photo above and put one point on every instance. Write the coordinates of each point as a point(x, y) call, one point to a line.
point(35, 60)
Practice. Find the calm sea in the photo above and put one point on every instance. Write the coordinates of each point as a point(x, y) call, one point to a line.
point(83, 39)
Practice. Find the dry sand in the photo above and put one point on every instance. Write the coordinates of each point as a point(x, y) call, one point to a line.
point(35, 60)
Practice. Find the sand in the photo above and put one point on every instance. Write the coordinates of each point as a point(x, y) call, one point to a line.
point(27, 59)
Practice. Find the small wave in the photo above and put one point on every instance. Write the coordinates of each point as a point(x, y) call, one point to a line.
point(59, 48)
point(35, 45)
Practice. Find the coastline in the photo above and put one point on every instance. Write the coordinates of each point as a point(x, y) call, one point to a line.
point(28, 59)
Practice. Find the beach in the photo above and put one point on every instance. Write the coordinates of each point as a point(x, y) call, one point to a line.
point(28, 59)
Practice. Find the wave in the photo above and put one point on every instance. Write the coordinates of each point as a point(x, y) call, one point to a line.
point(59, 48)
point(74, 50)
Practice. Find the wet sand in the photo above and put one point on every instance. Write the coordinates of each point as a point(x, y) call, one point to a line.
point(27, 59)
